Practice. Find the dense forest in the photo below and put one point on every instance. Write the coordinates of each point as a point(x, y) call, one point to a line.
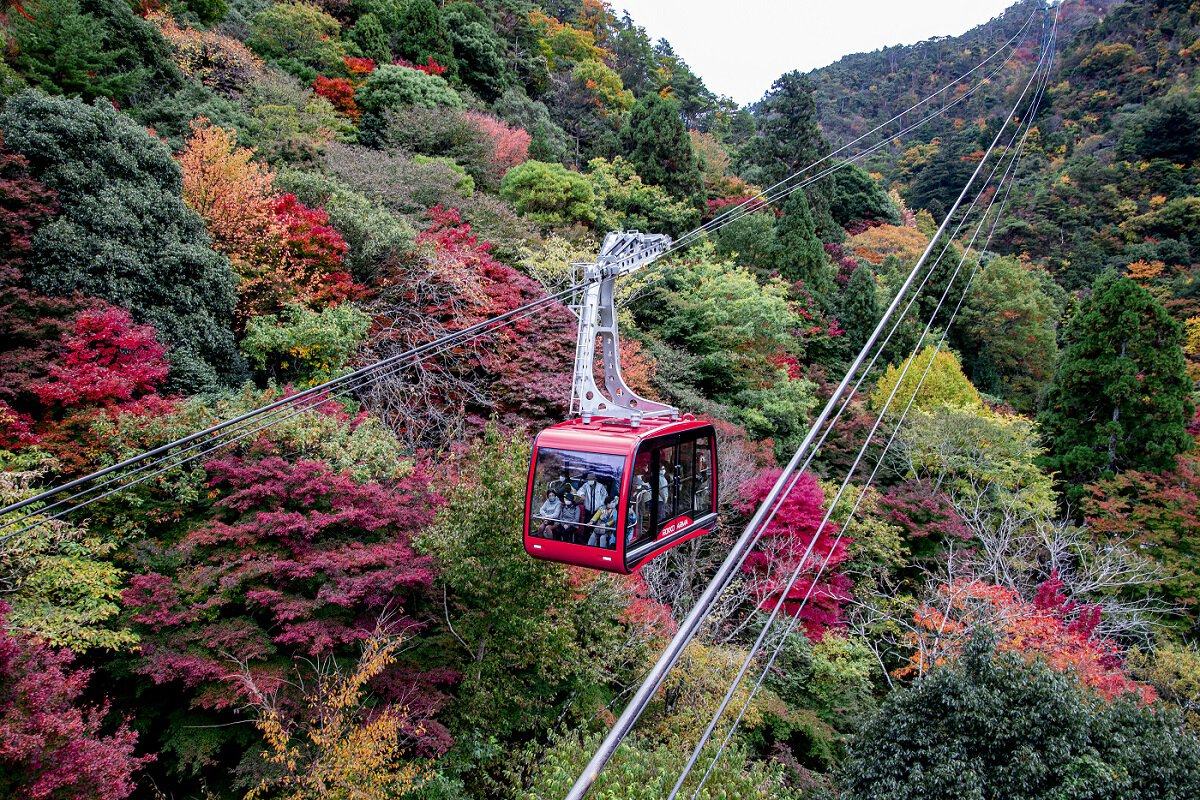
point(210, 205)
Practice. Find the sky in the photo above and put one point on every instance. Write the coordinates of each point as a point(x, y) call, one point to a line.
point(740, 47)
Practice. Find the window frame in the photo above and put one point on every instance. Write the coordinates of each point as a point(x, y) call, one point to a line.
point(641, 548)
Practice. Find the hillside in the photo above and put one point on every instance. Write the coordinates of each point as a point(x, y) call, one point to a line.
point(341, 233)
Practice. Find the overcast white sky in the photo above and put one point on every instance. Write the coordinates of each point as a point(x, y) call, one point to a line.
point(740, 47)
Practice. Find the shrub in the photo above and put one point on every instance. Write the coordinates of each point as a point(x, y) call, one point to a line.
point(300, 38)
point(392, 86)
point(303, 346)
point(51, 744)
point(623, 201)
point(510, 146)
point(549, 193)
point(339, 92)
point(439, 133)
point(107, 360)
point(375, 236)
point(221, 63)
point(150, 254)
point(288, 122)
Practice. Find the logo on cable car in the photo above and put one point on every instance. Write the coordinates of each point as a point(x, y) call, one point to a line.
point(674, 526)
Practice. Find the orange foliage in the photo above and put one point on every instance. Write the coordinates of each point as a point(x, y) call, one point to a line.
point(876, 244)
point(232, 193)
point(637, 367)
point(282, 250)
point(1050, 628)
point(1145, 271)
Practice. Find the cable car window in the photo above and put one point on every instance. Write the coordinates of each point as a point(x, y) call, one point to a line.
point(668, 484)
point(575, 497)
point(685, 470)
point(639, 523)
point(702, 494)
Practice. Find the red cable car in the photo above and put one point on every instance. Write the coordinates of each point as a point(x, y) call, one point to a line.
point(626, 478)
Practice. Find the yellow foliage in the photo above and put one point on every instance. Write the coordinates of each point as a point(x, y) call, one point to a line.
point(694, 689)
point(936, 379)
point(1174, 670)
point(1191, 346)
point(340, 748)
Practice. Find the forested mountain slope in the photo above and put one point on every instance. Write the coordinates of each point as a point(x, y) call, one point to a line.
point(210, 205)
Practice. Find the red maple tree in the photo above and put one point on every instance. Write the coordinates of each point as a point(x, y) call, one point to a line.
point(782, 548)
point(107, 360)
point(51, 745)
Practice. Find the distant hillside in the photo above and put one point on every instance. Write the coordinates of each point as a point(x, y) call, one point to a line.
point(1111, 177)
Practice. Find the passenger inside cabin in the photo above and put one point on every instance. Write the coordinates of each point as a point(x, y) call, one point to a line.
point(639, 508)
point(571, 516)
point(593, 493)
point(564, 485)
point(549, 514)
point(664, 496)
point(604, 526)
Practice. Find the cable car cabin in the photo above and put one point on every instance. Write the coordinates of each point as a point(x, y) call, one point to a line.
point(608, 495)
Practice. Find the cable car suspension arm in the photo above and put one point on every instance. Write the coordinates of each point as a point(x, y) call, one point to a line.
point(621, 253)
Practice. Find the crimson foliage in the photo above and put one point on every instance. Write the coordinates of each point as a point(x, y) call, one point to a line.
point(108, 360)
point(782, 548)
point(527, 363)
point(51, 745)
point(299, 561)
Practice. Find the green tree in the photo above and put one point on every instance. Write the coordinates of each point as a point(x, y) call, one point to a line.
point(305, 346)
point(623, 201)
point(858, 308)
point(801, 253)
point(993, 726)
point(1121, 397)
point(750, 240)
point(62, 48)
point(392, 87)
point(301, 38)
point(787, 138)
point(59, 579)
point(124, 233)
point(655, 140)
point(719, 313)
point(421, 34)
point(478, 50)
point(677, 81)
point(1007, 332)
point(549, 193)
point(857, 197)
point(371, 39)
point(550, 142)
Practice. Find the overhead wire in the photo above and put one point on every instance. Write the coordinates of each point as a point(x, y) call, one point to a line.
point(740, 549)
point(173, 454)
point(794, 615)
